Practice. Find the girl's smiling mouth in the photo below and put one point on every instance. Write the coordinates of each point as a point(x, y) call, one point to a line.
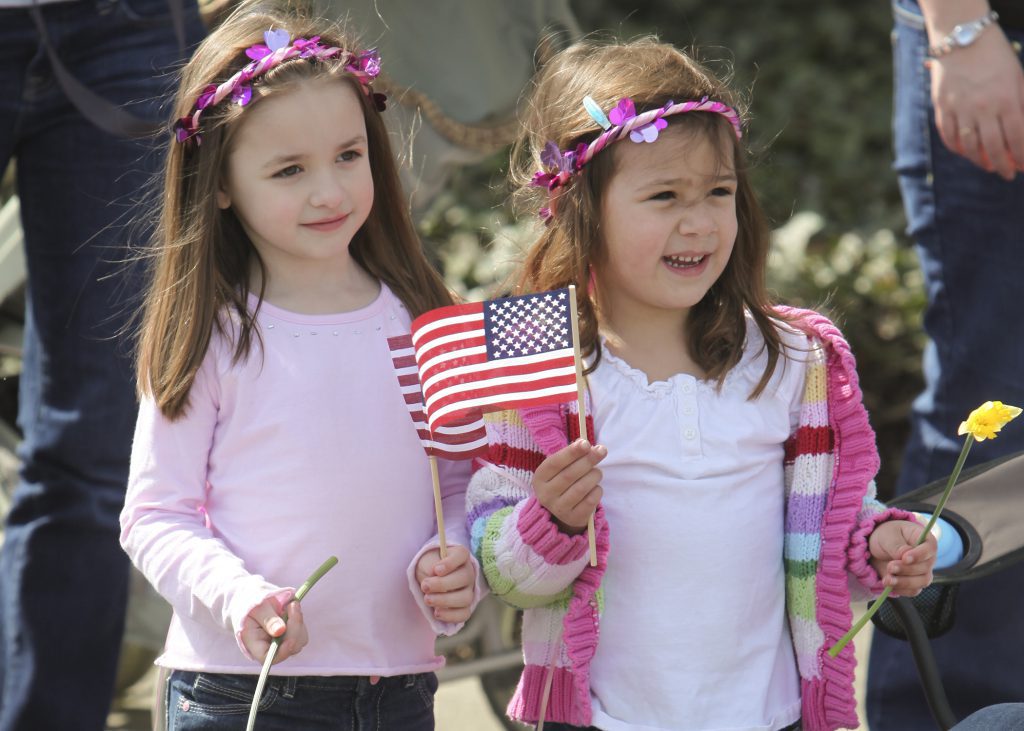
point(688, 264)
point(327, 224)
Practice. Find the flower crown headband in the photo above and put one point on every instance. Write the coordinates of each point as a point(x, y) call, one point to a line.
point(278, 48)
point(620, 122)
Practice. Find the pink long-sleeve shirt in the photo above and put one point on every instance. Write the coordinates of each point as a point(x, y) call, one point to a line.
point(302, 451)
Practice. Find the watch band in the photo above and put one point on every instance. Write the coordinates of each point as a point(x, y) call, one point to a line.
point(963, 34)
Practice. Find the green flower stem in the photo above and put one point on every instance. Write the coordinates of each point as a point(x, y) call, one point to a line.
point(276, 642)
point(968, 441)
point(315, 577)
point(845, 639)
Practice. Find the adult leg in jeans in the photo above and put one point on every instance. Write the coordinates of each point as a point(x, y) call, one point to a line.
point(967, 224)
point(1002, 717)
point(63, 576)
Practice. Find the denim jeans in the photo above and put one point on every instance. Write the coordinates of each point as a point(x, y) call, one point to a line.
point(63, 576)
point(212, 701)
point(1002, 717)
point(969, 229)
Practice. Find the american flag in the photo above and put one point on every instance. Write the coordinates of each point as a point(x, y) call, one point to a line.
point(463, 438)
point(499, 354)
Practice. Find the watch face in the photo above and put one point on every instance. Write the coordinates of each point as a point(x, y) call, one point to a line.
point(964, 34)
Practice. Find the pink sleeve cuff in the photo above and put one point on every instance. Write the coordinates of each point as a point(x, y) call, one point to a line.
point(859, 553)
point(541, 533)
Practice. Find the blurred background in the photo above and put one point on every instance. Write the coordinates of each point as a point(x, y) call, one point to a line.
point(818, 76)
point(818, 81)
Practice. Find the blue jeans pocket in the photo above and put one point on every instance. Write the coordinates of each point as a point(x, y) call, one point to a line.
point(406, 703)
point(212, 701)
point(426, 687)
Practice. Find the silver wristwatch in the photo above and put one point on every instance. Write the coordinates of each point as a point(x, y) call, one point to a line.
point(964, 34)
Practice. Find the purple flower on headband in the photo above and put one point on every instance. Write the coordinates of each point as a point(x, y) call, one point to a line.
point(622, 112)
point(553, 157)
point(274, 40)
point(277, 39)
point(649, 132)
point(562, 163)
point(625, 111)
point(548, 180)
point(241, 95)
point(370, 61)
point(367, 62)
point(185, 129)
point(206, 97)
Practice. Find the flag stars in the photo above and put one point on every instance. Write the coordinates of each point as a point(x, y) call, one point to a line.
point(527, 325)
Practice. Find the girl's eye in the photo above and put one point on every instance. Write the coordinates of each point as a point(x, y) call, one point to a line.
point(350, 155)
point(665, 195)
point(288, 171)
point(721, 192)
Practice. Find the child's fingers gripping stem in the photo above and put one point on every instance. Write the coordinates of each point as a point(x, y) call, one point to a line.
point(265, 623)
point(899, 560)
point(568, 484)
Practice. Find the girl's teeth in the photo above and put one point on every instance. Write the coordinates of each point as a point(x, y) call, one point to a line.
point(684, 260)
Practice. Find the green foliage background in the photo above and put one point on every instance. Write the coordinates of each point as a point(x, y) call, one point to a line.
point(818, 78)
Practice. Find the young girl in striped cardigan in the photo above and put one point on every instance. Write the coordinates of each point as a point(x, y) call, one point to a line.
point(734, 504)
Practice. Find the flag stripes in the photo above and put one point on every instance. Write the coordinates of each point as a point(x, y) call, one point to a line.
point(461, 438)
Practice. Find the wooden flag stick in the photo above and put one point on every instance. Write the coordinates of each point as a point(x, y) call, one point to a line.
point(437, 503)
point(575, 326)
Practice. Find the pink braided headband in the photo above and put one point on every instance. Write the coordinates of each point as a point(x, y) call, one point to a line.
point(620, 122)
point(278, 48)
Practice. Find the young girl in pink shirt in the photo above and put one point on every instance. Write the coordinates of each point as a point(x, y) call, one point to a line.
point(272, 431)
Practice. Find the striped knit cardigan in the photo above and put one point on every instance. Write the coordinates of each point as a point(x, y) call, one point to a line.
point(830, 463)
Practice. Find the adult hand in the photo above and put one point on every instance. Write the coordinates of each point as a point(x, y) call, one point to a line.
point(567, 483)
point(978, 95)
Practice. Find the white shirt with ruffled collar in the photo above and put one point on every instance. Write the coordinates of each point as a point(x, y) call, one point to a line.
point(694, 632)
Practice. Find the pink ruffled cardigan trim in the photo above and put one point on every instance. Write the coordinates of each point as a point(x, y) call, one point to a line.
point(828, 701)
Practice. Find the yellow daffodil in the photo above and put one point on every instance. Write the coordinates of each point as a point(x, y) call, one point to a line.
point(988, 419)
point(983, 423)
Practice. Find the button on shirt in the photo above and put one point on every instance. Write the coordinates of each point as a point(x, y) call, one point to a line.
point(694, 632)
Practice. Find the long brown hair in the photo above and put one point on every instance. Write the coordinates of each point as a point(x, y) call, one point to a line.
point(202, 258)
point(650, 73)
